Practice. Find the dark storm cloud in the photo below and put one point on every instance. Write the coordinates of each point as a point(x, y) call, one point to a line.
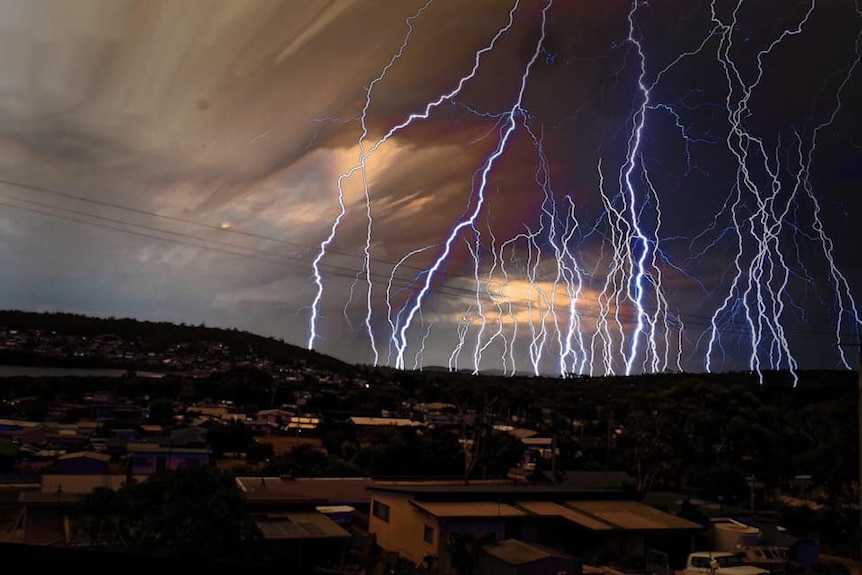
point(243, 115)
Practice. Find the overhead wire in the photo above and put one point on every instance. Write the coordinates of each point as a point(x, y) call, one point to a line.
point(292, 261)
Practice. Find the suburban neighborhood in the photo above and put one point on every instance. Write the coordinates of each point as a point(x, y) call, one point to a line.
point(363, 471)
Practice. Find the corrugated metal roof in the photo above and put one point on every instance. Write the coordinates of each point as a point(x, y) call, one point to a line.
point(468, 509)
point(384, 421)
point(521, 433)
point(515, 552)
point(632, 515)
point(85, 455)
point(156, 448)
point(332, 490)
point(301, 526)
point(496, 488)
point(550, 509)
point(537, 441)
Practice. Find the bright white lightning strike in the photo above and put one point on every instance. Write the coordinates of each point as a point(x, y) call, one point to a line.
point(561, 296)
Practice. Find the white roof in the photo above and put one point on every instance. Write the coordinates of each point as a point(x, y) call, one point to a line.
point(397, 421)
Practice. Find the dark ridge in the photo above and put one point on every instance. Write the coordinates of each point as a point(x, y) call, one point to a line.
point(157, 336)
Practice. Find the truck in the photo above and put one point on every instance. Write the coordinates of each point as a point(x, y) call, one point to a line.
point(719, 563)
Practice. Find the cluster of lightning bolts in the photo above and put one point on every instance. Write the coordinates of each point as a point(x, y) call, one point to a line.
point(627, 324)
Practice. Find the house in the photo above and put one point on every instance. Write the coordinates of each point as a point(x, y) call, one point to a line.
point(117, 411)
point(113, 446)
point(66, 440)
point(514, 557)
point(538, 448)
point(189, 436)
point(83, 484)
point(83, 463)
point(269, 494)
point(23, 432)
point(300, 422)
point(366, 425)
point(151, 430)
point(216, 412)
point(417, 520)
point(440, 414)
point(383, 422)
point(148, 458)
point(273, 417)
point(302, 540)
point(87, 428)
point(127, 434)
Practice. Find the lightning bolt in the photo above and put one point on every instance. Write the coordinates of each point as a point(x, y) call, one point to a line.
point(361, 167)
point(480, 198)
point(424, 115)
point(762, 311)
point(615, 272)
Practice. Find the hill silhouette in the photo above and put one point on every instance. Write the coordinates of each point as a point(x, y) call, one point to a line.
point(158, 336)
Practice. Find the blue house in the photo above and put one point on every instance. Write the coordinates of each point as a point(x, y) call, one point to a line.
point(83, 463)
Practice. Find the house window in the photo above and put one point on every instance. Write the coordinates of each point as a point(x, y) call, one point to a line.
point(428, 536)
point(380, 510)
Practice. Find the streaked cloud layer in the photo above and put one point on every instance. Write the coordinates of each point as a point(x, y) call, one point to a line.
point(180, 159)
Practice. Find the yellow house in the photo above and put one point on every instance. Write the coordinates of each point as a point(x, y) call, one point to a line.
point(419, 530)
point(416, 520)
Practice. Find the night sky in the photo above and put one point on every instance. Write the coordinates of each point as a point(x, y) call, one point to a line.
point(676, 186)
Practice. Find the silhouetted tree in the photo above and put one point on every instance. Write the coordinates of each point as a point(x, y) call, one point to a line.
point(193, 512)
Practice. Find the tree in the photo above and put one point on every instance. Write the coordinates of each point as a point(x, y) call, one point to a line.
point(391, 451)
point(194, 512)
point(644, 448)
point(99, 513)
point(439, 453)
point(500, 451)
point(304, 460)
point(259, 451)
point(161, 411)
point(235, 437)
point(475, 426)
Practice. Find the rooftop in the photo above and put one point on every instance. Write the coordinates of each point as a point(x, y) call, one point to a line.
point(515, 552)
point(632, 515)
point(156, 448)
point(458, 490)
point(452, 509)
point(311, 525)
point(85, 455)
point(551, 509)
point(331, 490)
point(384, 421)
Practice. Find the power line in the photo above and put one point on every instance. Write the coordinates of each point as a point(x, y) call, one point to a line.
point(293, 261)
point(175, 219)
point(189, 240)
